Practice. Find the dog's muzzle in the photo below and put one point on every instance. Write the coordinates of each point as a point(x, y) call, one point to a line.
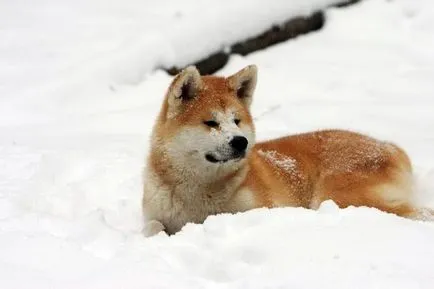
point(238, 146)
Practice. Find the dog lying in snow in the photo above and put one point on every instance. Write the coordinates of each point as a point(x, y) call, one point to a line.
point(204, 160)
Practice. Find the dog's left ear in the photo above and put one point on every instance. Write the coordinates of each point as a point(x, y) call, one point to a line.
point(244, 83)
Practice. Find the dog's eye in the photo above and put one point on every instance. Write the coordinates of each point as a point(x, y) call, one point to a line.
point(237, 121)
point(211, 123)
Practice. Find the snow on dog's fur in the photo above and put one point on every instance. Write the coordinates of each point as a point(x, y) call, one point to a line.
point(204, 160)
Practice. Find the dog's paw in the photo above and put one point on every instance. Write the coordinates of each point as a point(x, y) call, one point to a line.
point(152, 228)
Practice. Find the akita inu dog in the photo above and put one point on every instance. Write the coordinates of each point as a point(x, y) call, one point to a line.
point(203, 160)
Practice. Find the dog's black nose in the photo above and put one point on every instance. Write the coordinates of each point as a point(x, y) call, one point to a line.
point(239, 143)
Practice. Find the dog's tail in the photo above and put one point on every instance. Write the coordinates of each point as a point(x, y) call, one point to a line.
point(424, 214)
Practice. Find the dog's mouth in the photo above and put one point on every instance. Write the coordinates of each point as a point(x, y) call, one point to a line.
point(235, 157)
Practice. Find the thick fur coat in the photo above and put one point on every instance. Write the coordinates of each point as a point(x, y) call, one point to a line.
point(204, 160)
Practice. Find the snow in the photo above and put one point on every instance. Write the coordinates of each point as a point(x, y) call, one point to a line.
point(62, 44)
point(78, 101)
point(281, 161)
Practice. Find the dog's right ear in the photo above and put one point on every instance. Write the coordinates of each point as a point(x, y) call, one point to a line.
point(183, 89)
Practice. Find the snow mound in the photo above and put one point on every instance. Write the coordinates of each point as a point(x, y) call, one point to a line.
point(283, 248)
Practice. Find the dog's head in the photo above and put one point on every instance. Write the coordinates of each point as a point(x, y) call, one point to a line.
point(205, 121)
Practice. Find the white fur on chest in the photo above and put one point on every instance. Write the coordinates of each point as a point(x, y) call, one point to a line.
point(176, 206)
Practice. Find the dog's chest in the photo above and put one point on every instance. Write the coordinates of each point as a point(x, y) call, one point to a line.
point(184, 203)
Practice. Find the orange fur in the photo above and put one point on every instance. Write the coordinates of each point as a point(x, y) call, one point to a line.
point(300, 170)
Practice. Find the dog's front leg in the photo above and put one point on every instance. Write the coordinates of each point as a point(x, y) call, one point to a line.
point(152, 228)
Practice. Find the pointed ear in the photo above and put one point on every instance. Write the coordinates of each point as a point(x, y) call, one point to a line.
point(184, 88)
point(244, 83)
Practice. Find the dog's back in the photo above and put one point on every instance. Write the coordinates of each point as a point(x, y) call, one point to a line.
point(347, 167)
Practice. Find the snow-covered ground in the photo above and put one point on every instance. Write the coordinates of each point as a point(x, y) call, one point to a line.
point(78, 100)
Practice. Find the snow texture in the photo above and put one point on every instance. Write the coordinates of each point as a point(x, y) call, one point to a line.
point(78, 102)
point(281, 161)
